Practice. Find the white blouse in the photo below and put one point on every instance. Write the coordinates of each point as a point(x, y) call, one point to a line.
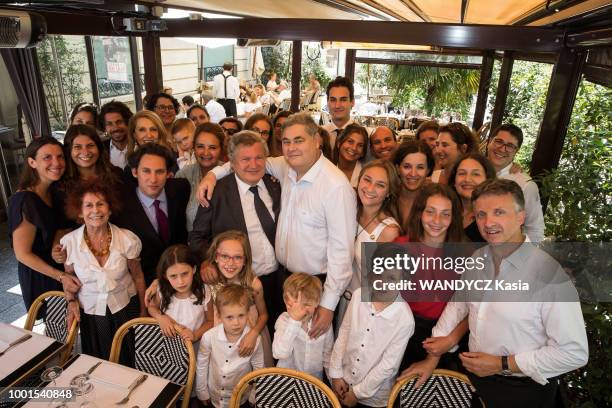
point(186, 313)
point(109, 285)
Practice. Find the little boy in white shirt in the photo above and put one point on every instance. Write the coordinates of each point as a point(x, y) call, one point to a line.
point(219, 367)
point(292, 346)
point(369, 348)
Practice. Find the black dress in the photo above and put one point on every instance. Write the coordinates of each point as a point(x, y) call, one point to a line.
point(473, 233)
point(46, 220)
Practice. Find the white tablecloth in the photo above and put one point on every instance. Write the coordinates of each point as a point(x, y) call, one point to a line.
point(20, 354)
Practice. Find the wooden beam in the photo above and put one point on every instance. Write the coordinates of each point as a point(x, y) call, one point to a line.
point(349, 65)
point(424, 63)
point(296, 75)
point(592, 38)
point(151, 54)
point(502, 89)
point(560, 99)
point(483, 90)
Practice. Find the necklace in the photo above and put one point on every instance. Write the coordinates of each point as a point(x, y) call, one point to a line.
point(366, 226)
point(104, 251)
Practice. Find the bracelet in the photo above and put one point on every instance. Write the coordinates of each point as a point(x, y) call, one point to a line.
point(71, 300)
point(61, 275)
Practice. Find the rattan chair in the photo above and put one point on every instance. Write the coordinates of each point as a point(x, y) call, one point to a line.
point(55, 320)
point(171, 358)
point(281, 387)
point(444, 389)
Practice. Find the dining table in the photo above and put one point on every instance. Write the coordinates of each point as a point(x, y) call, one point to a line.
point(111, 385)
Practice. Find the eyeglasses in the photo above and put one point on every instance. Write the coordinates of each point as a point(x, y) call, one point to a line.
point(230, 131)
point(509, 147)
point(227, 258)
point(164, 107)
point(261, 132)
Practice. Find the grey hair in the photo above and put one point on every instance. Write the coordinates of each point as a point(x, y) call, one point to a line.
point(303, 119)
point(207, 96)
point(245, 138)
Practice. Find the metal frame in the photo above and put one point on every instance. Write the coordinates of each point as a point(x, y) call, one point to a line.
point(93, 76)
point(151, 53)
point(349, 64)
point(136, 72)
point(502, 89)
point(384, 61)
point(486, 71)
point(296, 75)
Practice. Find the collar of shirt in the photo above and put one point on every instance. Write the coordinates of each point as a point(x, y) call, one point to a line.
point(388, 312)
point(148, 201)
point(244, 187)
point(227, 72)
point(505, 171)
point(350, 122)
point(518, 259)
point(113, 147)
point(223, 337)
point(311, 174)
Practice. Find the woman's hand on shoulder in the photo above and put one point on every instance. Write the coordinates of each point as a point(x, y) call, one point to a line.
point(166, 324)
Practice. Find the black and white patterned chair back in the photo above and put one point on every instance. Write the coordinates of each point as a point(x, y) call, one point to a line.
point(280, 391)
point(55, 319)
point(440, 391)
point(162, 356)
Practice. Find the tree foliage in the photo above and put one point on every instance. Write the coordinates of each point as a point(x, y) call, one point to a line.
point(441, 89)
point(579, 194)
point(71, 65)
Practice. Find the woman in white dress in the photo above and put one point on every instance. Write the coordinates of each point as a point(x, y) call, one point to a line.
point(377, 216)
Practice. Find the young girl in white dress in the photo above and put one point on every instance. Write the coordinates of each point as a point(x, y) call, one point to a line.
point(230, 252)
point(183, 304)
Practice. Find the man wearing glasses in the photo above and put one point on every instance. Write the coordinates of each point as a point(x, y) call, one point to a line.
point(504, 143)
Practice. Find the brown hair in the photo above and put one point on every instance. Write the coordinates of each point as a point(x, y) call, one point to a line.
point(29, 176)
point(344, 135)
point(411, 147)
point(104, 168)
point(325, 143)
point(246, 275)
point(500, 187)
point(214, 130)
point(177, 254)
point(74, 199)
point(161, 130)
point(462, 135)
point(309, 286)
point(232, 294)
point(414, 225)
point(427, 125)
point(389, 205)
point(490, 173)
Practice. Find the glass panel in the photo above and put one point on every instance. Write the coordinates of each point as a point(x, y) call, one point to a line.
point(321, 64)
point(416, 56)
point(67, 83)
point(12, 142)
point(114, 69)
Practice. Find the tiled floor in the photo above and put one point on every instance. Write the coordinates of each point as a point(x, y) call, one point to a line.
point(11, 303)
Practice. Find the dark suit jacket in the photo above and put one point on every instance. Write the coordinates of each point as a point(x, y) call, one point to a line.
point(225, 213)
point(133, 217)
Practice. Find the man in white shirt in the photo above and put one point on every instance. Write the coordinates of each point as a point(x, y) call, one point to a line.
point(517, 349)
point(317, 222)
point(227, 89)
point(340, 101)
point(214, 108)
point(504, 143)
point(114, 119)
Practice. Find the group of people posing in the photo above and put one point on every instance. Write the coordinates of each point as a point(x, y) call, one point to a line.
point(248, 240)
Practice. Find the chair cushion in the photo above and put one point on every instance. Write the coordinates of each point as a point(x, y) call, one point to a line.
point(279, 391)
point(159, 355)
point(55, 318)
point(439, 392)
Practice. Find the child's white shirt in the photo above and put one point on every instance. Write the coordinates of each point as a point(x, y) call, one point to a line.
point(370, 347)
point(293, 347)
point(219, 367)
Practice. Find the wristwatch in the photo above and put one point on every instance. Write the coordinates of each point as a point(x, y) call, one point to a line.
point(505, 369)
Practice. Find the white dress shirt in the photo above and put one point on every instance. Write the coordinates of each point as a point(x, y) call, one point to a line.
point(534, 218)
point(369, 348)
point(110, 285)
point(233, 86)
point(295, 349)
point(317, 223)
point(215, 110)
point(149, 207)
point(546, 337)
point(118, 157)
point(355, 175)
point(264, 259)
point(219, 367)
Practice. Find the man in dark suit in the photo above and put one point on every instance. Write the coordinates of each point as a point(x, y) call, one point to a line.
point(114, 118)
point(248, 201)
point(155, 209)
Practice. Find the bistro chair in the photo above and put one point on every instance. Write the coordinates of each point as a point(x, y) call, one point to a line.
point(55, 307)
point(283, 388)
point(171, 358)
point(444, 389)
